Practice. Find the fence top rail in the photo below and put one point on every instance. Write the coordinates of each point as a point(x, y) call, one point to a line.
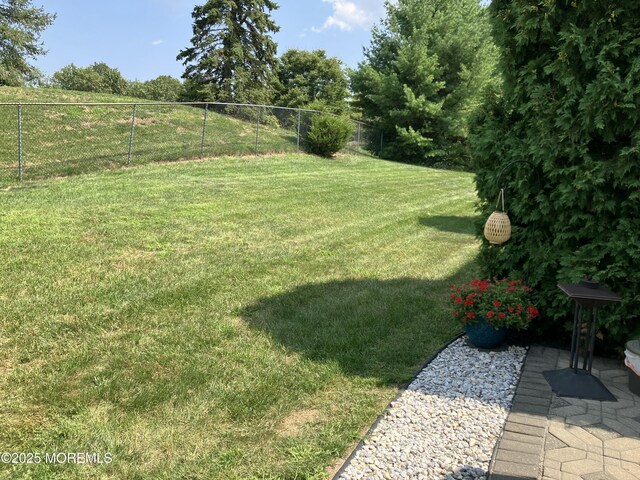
point(131, 104)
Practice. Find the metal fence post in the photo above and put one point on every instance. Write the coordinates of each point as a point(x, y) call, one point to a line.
point(20, 142)
point(133, 126)
point(204, 129)
point(258, 131)
point(299, 111)
point(359, 126)
point(352, 149)
point(381, 139)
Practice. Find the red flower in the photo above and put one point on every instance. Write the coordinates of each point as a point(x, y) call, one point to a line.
point(498, 300)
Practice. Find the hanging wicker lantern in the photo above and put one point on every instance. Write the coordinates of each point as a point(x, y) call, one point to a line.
point(498, 227)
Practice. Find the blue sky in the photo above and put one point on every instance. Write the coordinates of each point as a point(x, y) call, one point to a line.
point(141, 38)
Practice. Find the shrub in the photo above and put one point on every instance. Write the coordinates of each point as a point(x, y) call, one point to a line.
point(569, 107)
point(328, 135)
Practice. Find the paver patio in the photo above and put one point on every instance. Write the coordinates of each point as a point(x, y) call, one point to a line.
point(547, 437)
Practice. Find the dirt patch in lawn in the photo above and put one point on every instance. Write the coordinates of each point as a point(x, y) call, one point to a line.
point(295, 422)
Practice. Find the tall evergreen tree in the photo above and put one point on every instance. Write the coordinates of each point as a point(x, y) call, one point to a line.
point(423, 76)
point(232, 56)
point(20, 27)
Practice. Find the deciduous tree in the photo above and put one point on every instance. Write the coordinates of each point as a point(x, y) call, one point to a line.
point(20, 27)
point(98, 77)
point(311, 79)
point(163, 89)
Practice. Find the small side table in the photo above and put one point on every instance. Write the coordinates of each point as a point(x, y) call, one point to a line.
point(574, 381)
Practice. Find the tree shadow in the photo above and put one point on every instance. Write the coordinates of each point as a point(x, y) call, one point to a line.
point(381, 329)
point(448, 223)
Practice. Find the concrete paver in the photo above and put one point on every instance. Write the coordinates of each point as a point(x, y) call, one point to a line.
point(566, 454)
point(547, 437)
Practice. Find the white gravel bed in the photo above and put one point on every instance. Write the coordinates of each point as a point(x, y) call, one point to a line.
point(446, 424)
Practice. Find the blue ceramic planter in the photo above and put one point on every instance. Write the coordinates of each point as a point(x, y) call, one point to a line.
point(483, 335)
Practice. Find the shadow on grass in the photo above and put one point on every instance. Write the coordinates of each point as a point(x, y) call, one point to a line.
point(448, 223)
point(380, 329)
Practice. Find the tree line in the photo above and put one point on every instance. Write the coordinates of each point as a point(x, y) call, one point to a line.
point(421, 78)
point(305, 79)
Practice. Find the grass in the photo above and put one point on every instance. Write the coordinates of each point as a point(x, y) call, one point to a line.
point(66, 140)
point(232, 318)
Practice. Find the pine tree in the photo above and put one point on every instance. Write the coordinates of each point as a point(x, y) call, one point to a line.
point(20, 27)
point(424, 75)
point(232, 56)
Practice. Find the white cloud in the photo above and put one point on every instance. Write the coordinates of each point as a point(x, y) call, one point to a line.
point(350, 14)
point(157, 42)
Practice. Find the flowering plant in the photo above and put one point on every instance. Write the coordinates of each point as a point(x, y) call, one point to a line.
point(502, 303)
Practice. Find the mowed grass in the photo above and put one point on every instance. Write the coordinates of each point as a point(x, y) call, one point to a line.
point(230, 318)
point(60, 140)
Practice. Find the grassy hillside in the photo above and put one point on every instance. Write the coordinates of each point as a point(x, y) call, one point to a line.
point(64, 140)
point(232, 318)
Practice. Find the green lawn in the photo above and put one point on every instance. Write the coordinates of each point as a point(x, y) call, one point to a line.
point(230, 318)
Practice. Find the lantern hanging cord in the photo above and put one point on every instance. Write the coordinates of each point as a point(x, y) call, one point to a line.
point(501, 196)
point(504, 168)
point(499, 176)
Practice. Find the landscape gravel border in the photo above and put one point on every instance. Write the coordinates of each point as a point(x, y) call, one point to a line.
point(402, 389)
point(446, 422)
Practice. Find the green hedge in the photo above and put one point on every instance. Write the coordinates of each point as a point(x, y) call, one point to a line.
point(569, 105)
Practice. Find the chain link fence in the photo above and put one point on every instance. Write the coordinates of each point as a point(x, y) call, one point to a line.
point(41, 140)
